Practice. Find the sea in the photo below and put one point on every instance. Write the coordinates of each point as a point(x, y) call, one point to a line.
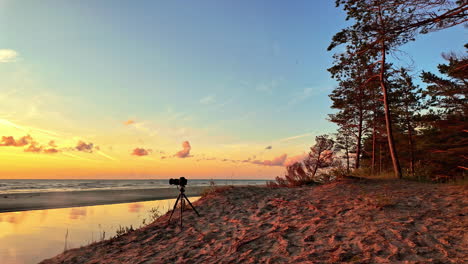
point(11, 186)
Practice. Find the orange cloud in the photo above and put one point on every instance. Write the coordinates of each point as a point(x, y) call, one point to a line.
point(185, 152)
point(129, 122)
point(86, 147)
point(141, 152)
point(51, 151)
point(35, 148)
point(52, 143)
point(298, 158)
point(10, 141)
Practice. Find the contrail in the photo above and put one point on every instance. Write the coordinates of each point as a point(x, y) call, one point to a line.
point(25, 128)
point(105, 155)
point(295, 137)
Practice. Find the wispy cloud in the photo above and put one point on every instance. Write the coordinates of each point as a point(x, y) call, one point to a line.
point(302, 96)
point(269, 147)
point(268, 86)
point(208, 100)
point(8, 55)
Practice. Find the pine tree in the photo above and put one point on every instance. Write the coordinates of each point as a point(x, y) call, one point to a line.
point(408, 103)
point(384, 25)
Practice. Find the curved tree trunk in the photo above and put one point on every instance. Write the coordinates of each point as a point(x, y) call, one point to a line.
point(388, 120)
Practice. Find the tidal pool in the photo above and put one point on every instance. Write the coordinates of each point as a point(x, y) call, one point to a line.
point(31, 236)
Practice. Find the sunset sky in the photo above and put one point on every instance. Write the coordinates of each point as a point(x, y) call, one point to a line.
point(158, 89)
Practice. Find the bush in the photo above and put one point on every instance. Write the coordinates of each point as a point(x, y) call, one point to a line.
point(295, 176)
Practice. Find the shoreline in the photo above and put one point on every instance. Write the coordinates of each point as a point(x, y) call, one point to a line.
point(52, 200)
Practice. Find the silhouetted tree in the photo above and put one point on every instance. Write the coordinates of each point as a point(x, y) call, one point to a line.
point(407, 105)
point(353, 96)
point(345, 141)
point(446, 126)
point(320, 155)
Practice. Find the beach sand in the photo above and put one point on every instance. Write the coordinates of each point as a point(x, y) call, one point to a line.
point(34, 201)
point(348, 221)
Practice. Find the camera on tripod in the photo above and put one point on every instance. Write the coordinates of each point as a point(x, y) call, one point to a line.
point(181, 181)
point(182, 198)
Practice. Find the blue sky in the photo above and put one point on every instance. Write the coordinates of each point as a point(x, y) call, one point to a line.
point(212, 72)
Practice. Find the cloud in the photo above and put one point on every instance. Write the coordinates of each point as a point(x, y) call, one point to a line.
point(86, 147)
point(298, 158)
point(10, 141)
point(141, 152)
point(129, 122)
point(33, 148)
point(185, 152)
point(52, 143)
point(277, 161)
point(302, 96)
point(207, 100)
point(51, 151)
point(269, 147)
point(8, 55)
point(268, 86)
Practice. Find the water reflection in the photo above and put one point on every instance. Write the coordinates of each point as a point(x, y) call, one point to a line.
point(20, 232)
point(77, 213)
point(135, 207)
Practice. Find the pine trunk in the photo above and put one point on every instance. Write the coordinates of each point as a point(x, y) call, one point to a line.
point(316, 165)
point(411, 148)
point(388, 120)
point(359, 138)
point(373, 148)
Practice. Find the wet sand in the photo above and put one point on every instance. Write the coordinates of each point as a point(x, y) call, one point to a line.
point(34, 201)
point(343, 222)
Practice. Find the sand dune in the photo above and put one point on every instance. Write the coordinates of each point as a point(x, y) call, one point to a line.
point(347, 221)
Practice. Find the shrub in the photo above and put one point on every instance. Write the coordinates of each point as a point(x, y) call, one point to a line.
point(295, 176)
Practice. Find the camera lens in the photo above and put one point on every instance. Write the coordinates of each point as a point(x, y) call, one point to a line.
point(174, 181)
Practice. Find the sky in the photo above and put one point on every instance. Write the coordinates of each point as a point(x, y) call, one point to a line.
point(159, 89)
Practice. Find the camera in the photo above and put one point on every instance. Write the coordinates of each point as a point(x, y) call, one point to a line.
point(181, 181)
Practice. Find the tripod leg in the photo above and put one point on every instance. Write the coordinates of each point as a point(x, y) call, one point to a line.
point(193, 207)
point(173, 209)
point(181, 209)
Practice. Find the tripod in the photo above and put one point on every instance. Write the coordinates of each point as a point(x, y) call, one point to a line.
point(182, 197)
